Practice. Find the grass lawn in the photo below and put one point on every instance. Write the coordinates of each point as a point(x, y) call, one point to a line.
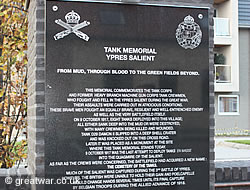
point(247, 142)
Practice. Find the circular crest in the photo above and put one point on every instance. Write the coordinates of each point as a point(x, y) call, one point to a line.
point(188, 33)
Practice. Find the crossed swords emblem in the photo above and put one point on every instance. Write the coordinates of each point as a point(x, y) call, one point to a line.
point(72, 28)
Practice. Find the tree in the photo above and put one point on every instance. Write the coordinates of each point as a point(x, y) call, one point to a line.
point(13, 92)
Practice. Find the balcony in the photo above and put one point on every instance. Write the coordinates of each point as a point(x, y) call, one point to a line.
point(226, 42)
point(222, 31)
point(221, 26)
point(222, 73)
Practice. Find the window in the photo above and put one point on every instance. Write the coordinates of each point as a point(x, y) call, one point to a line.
point(228, 105)
point(222, 73)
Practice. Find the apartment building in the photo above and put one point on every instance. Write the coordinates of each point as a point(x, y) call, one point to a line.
point(232, 53)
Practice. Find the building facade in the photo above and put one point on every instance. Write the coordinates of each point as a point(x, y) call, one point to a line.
point(244, 49)
point(231, 65)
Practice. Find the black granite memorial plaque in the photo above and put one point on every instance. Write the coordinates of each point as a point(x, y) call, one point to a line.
point(127, 96)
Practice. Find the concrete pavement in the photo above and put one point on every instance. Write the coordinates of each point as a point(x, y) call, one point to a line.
point(231, 154)
point(231, 151)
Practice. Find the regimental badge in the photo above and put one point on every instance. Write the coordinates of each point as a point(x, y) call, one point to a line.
point(72, 25)
point(188, 33)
